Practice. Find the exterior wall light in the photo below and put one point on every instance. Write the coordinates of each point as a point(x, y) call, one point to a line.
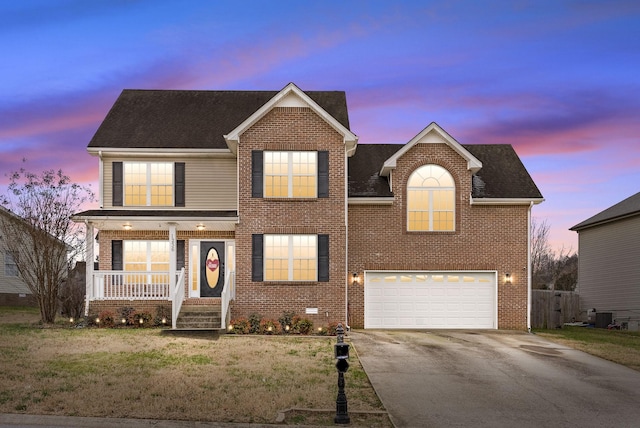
point(507, 278)
point(355, 279)
point(200, 227)
point(126, 226)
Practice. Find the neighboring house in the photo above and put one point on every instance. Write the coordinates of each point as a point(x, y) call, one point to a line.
point(609, 262)
point(13, 290)
point(269, 204)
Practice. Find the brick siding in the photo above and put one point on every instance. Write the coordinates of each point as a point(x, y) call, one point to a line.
point(485, 238)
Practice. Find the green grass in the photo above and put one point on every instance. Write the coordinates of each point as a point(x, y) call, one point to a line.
point(619, 346)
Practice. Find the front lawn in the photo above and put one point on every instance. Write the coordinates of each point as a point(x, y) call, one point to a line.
point(619, 346)
point(144, 373)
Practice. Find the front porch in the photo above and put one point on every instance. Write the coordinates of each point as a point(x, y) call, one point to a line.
point(127, 288)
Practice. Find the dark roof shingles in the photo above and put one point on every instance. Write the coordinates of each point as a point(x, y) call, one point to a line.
point(502, 172)
point(177, 119)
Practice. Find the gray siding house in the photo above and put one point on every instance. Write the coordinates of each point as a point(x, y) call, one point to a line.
point(13, 290)
point(609, 262)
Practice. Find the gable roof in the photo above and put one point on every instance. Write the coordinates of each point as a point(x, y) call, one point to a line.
point(627, 208)
point(183, 119)
point(292, 96)
point(502, 176)
point(432, 134)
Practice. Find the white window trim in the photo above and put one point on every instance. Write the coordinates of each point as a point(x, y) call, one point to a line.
point(148, 183)
point(290, 174)
point(430, 210)
point(290, 258)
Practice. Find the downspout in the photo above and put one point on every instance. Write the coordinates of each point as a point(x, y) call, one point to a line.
point(100, 175)
point(346, 247)
point(529, 267)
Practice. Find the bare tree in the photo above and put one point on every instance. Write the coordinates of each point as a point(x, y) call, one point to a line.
point(548, 268)
point(39, 234)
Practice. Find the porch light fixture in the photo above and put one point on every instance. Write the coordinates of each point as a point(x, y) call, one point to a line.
point(200, 227)
point(355, 279)
point(126, 226)
point(507, 278)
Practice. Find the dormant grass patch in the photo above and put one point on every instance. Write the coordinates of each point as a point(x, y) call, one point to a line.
point(143, 373)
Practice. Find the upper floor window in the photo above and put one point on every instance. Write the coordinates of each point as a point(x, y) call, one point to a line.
point(148, 183)
point(280, 174)
point(430, 199)
point(10, 267)
point(290, 174)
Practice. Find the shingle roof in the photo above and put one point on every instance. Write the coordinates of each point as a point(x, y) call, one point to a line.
point(626, 208)
point(502, 174)
point(180, 119)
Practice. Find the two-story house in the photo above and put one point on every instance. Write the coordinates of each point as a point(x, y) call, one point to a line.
point(263, 202)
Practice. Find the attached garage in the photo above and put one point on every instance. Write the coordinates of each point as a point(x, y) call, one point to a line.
point(438, 300)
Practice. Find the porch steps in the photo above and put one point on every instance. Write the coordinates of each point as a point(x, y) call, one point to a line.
point(198, 317)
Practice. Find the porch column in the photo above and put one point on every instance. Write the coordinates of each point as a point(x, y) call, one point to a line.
point(173, 251)
point(89, 242)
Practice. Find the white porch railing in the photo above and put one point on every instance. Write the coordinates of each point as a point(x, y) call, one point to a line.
point(228, 294)
point(119, 285)
point(177, 297)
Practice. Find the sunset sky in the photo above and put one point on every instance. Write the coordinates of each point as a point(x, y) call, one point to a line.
point(559, 80)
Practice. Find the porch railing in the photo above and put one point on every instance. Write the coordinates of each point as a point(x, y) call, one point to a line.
point(228, 294)
point(119, 285)
point(177, 297)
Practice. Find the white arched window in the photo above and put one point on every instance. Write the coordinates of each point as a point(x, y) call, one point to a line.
point(431, 199)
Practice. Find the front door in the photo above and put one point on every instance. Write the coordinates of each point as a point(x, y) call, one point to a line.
point(211, 268)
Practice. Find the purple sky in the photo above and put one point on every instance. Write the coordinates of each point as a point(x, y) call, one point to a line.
point(559, 80)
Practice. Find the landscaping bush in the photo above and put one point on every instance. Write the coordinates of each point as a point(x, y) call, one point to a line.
point(286, 321)
point(268, 326)
point(302, 325)
point(240, 326)
point(162, 313)
point(254, 323)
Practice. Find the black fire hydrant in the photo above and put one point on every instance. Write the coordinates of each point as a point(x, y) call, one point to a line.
point(342, 355)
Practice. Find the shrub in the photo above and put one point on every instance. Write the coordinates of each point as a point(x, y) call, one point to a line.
point(162, 312)
point(254, 323)
point(126, 314)
point(286, 320)
point(142, 319)
point(268, 326)
point(302, 325)
point(240, 326)
point(107, 319)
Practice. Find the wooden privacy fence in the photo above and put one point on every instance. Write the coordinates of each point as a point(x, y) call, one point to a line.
point(551, 308)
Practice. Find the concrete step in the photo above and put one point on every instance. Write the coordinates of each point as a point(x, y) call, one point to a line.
point(199, 317)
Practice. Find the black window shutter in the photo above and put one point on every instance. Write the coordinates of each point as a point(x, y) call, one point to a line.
point(257, 274)
point(180, 254)
point(117, 184)
point(323, 258)
point(257, 171)
point(323, 174)
point(116, 255)
point(179, 184)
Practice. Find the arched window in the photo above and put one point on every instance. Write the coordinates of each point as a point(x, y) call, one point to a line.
point(431, 196)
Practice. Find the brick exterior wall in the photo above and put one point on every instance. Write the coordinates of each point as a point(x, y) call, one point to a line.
point(485, 238)
point(292, 128)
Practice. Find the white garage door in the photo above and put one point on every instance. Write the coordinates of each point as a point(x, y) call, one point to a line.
point(430, 300)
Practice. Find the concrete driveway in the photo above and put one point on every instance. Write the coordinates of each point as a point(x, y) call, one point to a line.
point(494, 379)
